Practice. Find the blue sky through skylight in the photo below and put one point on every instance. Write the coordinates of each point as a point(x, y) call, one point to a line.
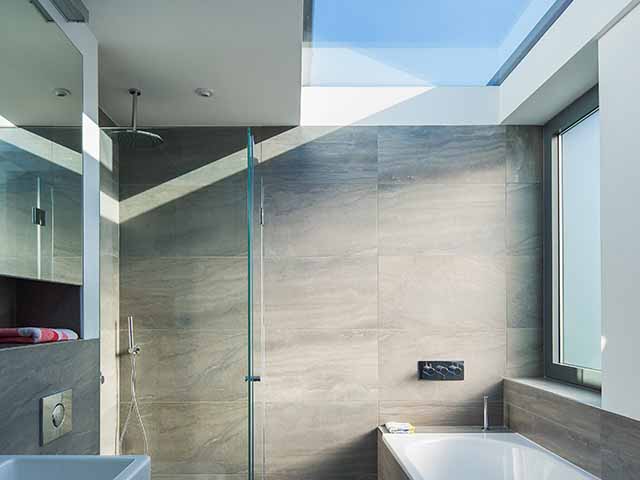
point(414, 42)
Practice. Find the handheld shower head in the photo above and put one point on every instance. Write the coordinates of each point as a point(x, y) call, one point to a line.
point(133, 348)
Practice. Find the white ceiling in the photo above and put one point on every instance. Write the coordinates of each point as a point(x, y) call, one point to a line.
point(36, 57)
point(247, 51)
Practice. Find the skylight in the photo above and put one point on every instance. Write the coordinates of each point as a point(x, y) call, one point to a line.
point(420, 42)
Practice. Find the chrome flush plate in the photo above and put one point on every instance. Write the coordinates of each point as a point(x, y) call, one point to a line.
point(56, 416)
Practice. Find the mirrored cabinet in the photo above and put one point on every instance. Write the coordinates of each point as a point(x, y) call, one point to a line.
point(40, 170)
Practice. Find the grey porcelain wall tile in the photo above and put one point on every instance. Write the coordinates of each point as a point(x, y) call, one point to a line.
point(195, 293)
point(18, 235)
point(421, 218)
point(388, 466)
point(148, 221)
point(524, 352)
point(620, 447)
point(442, 154)
point(109, 293)
point(212, 221)
point(524, 154)
point(321, 292)
point(518, 419)
point(524, 219)
point(315, 474)
point(109, 237)
point(52, 368)
point(153, 166)
point(484, 354)
point(524, 291)
point(321, 365)
point(19, 267)
point(192, 438)
point(318, 441)
point(430, 413)
point(63, 199)
point(310, 157)
point(214, 476)
point(320, 219)
point(583, 419)
point(317, 162)
point(441, 294)
point(579, 449)
point(63, 269)
point(297, 135)
point(195, 148)
point(187, 365)
point(565, 391)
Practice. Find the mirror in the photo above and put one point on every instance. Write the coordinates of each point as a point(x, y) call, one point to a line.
point(40, 147)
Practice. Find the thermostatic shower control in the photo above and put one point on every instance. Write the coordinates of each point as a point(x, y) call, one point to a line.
point(441, 370)
point(55, 416)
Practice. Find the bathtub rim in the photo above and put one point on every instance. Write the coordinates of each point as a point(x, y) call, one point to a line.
point(454, 431)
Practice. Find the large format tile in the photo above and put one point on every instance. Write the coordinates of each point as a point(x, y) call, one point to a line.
point(484, 355)
point(148, 221)
point(620, 447)
point(193, 293)
point(109, 237)
point(321, 441)
point(427, 412)
point(567, 428)
point(321, 365)
point(320, 155)
point(442, 154)
point(191, 438)
point(63, 269)
point(524, 291)
point(213, 219)
point(420, 218)
point(518, 419)
point(579, 449)
point(524, 352)
point(206, 476)
point(440, 294)
point(187, 365)
point(524, 154)
point(321, 292)
point(51, 368)
point(325, 134)
point(320, 219)
point(581, 418)
point(63, 198)
point(524, 235)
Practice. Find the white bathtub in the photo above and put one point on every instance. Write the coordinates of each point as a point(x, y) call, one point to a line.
point(478, 456)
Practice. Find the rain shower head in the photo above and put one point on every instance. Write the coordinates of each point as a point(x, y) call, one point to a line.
point(133, 137)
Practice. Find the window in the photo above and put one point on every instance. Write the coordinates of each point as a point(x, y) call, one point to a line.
point(421, 43)
point(572, 245)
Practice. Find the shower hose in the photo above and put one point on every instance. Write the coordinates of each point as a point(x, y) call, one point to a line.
point(134, 407)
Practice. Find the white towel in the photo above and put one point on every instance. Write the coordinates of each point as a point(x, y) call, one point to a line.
point(399, 427)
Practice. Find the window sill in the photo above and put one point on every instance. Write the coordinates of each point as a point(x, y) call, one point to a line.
point(578, 394)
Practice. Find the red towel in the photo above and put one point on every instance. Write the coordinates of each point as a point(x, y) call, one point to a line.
point(36, 335)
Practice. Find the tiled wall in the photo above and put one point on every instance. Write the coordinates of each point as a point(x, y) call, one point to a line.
point(183, 264)
point(602, 443)
point(382, 246)
point(29, 373)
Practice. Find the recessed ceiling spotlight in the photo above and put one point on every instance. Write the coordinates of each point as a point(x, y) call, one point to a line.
point(61, 92)
point(204, 92)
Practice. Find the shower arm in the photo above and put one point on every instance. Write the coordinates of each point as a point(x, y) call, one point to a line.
point(135, 93)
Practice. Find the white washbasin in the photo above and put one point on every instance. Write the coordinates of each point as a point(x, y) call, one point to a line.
point(74, 467)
